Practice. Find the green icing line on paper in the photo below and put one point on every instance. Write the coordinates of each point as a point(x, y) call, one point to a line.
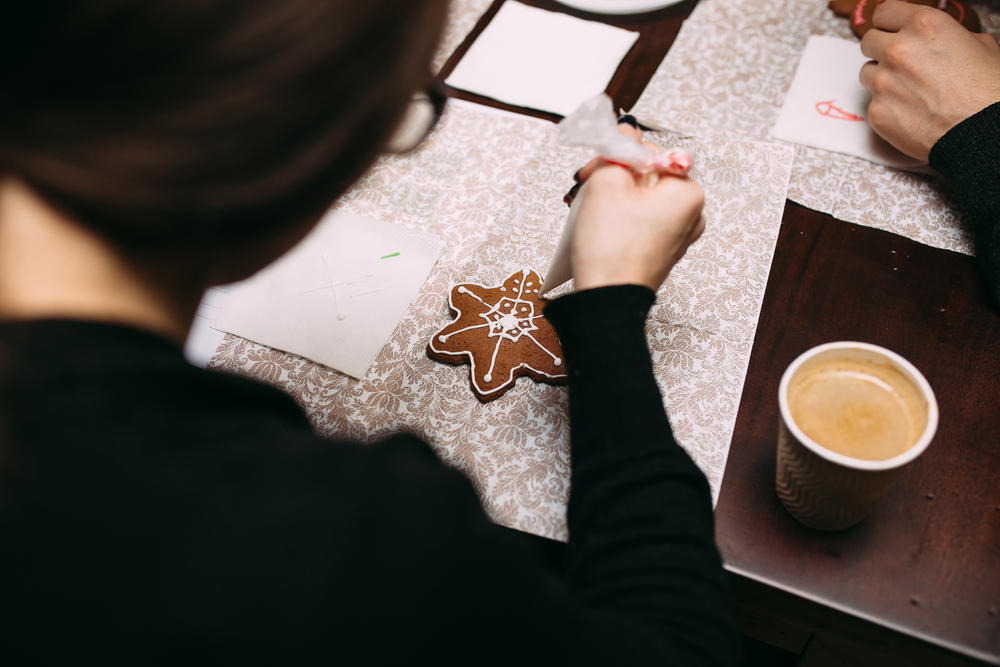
point(388, 256)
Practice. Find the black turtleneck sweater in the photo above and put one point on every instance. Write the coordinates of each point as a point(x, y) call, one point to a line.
point(969, 157)
point(152, 512)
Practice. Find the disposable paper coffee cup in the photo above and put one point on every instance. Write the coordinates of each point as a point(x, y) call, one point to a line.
point(828, 490)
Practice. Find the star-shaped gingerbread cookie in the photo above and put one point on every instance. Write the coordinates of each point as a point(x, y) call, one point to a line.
point(502, 333)
point(860, 12)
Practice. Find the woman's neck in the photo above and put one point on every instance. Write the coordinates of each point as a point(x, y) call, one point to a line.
point(53, 267)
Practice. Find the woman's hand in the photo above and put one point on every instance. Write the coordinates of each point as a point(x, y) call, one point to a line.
point(629, 234)
point(929, 74)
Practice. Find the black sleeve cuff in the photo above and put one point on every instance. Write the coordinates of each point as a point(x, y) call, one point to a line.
point(640, 510)
point(614, 399)
point(603, 330)
point(969, 157)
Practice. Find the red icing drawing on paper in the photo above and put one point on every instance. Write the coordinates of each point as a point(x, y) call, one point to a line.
point(827, 109)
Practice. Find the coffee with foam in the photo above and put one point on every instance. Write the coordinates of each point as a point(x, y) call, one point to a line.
point(858, 408)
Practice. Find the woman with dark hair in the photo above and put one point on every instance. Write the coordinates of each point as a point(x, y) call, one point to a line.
point(154, 512)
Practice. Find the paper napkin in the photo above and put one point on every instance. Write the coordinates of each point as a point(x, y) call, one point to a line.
point(533, 58)
point(338, 296)
point(203, 339)
point(826, 106)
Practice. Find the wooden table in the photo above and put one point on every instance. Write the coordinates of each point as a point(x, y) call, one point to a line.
point(918, 582)
point(926, 563)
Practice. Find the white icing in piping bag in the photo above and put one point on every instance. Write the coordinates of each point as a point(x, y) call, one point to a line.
point(559, 270)
point(594, 124)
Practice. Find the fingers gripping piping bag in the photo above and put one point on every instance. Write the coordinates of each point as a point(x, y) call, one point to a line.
point(594, 124)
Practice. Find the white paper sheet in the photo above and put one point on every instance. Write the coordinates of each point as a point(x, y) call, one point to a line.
point(541, 60)
point(462, 18)
point(337, 297)
point(203, 340)
point(827, 106)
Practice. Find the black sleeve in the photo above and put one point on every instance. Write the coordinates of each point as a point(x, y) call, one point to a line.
point(644, 582)
point(969, 157)
point(195, 516)
point(642, 555)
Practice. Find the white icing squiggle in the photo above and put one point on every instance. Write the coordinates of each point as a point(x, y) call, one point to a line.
point(340, 296)
point(489, 374)
point(511, 318)
point(556, 360)
point(474, 326)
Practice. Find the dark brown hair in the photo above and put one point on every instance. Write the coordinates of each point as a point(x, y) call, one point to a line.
point(162, 123)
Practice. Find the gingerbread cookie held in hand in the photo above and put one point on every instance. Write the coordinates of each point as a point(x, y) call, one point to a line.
point(501, 332)
point(859, 12)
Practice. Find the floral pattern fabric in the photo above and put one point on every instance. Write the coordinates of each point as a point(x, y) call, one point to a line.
point(727, 75)
point(491, 185)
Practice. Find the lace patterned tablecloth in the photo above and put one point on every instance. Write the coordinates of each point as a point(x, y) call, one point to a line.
point(491, 185)
point(462, 18)
point(727, 74)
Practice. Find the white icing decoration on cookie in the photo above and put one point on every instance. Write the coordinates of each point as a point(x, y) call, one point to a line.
point(503, 326)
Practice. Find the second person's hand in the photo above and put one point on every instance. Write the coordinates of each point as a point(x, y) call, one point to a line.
point(927, 74)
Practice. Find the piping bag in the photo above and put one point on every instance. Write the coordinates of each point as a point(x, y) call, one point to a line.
point(595, 124)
